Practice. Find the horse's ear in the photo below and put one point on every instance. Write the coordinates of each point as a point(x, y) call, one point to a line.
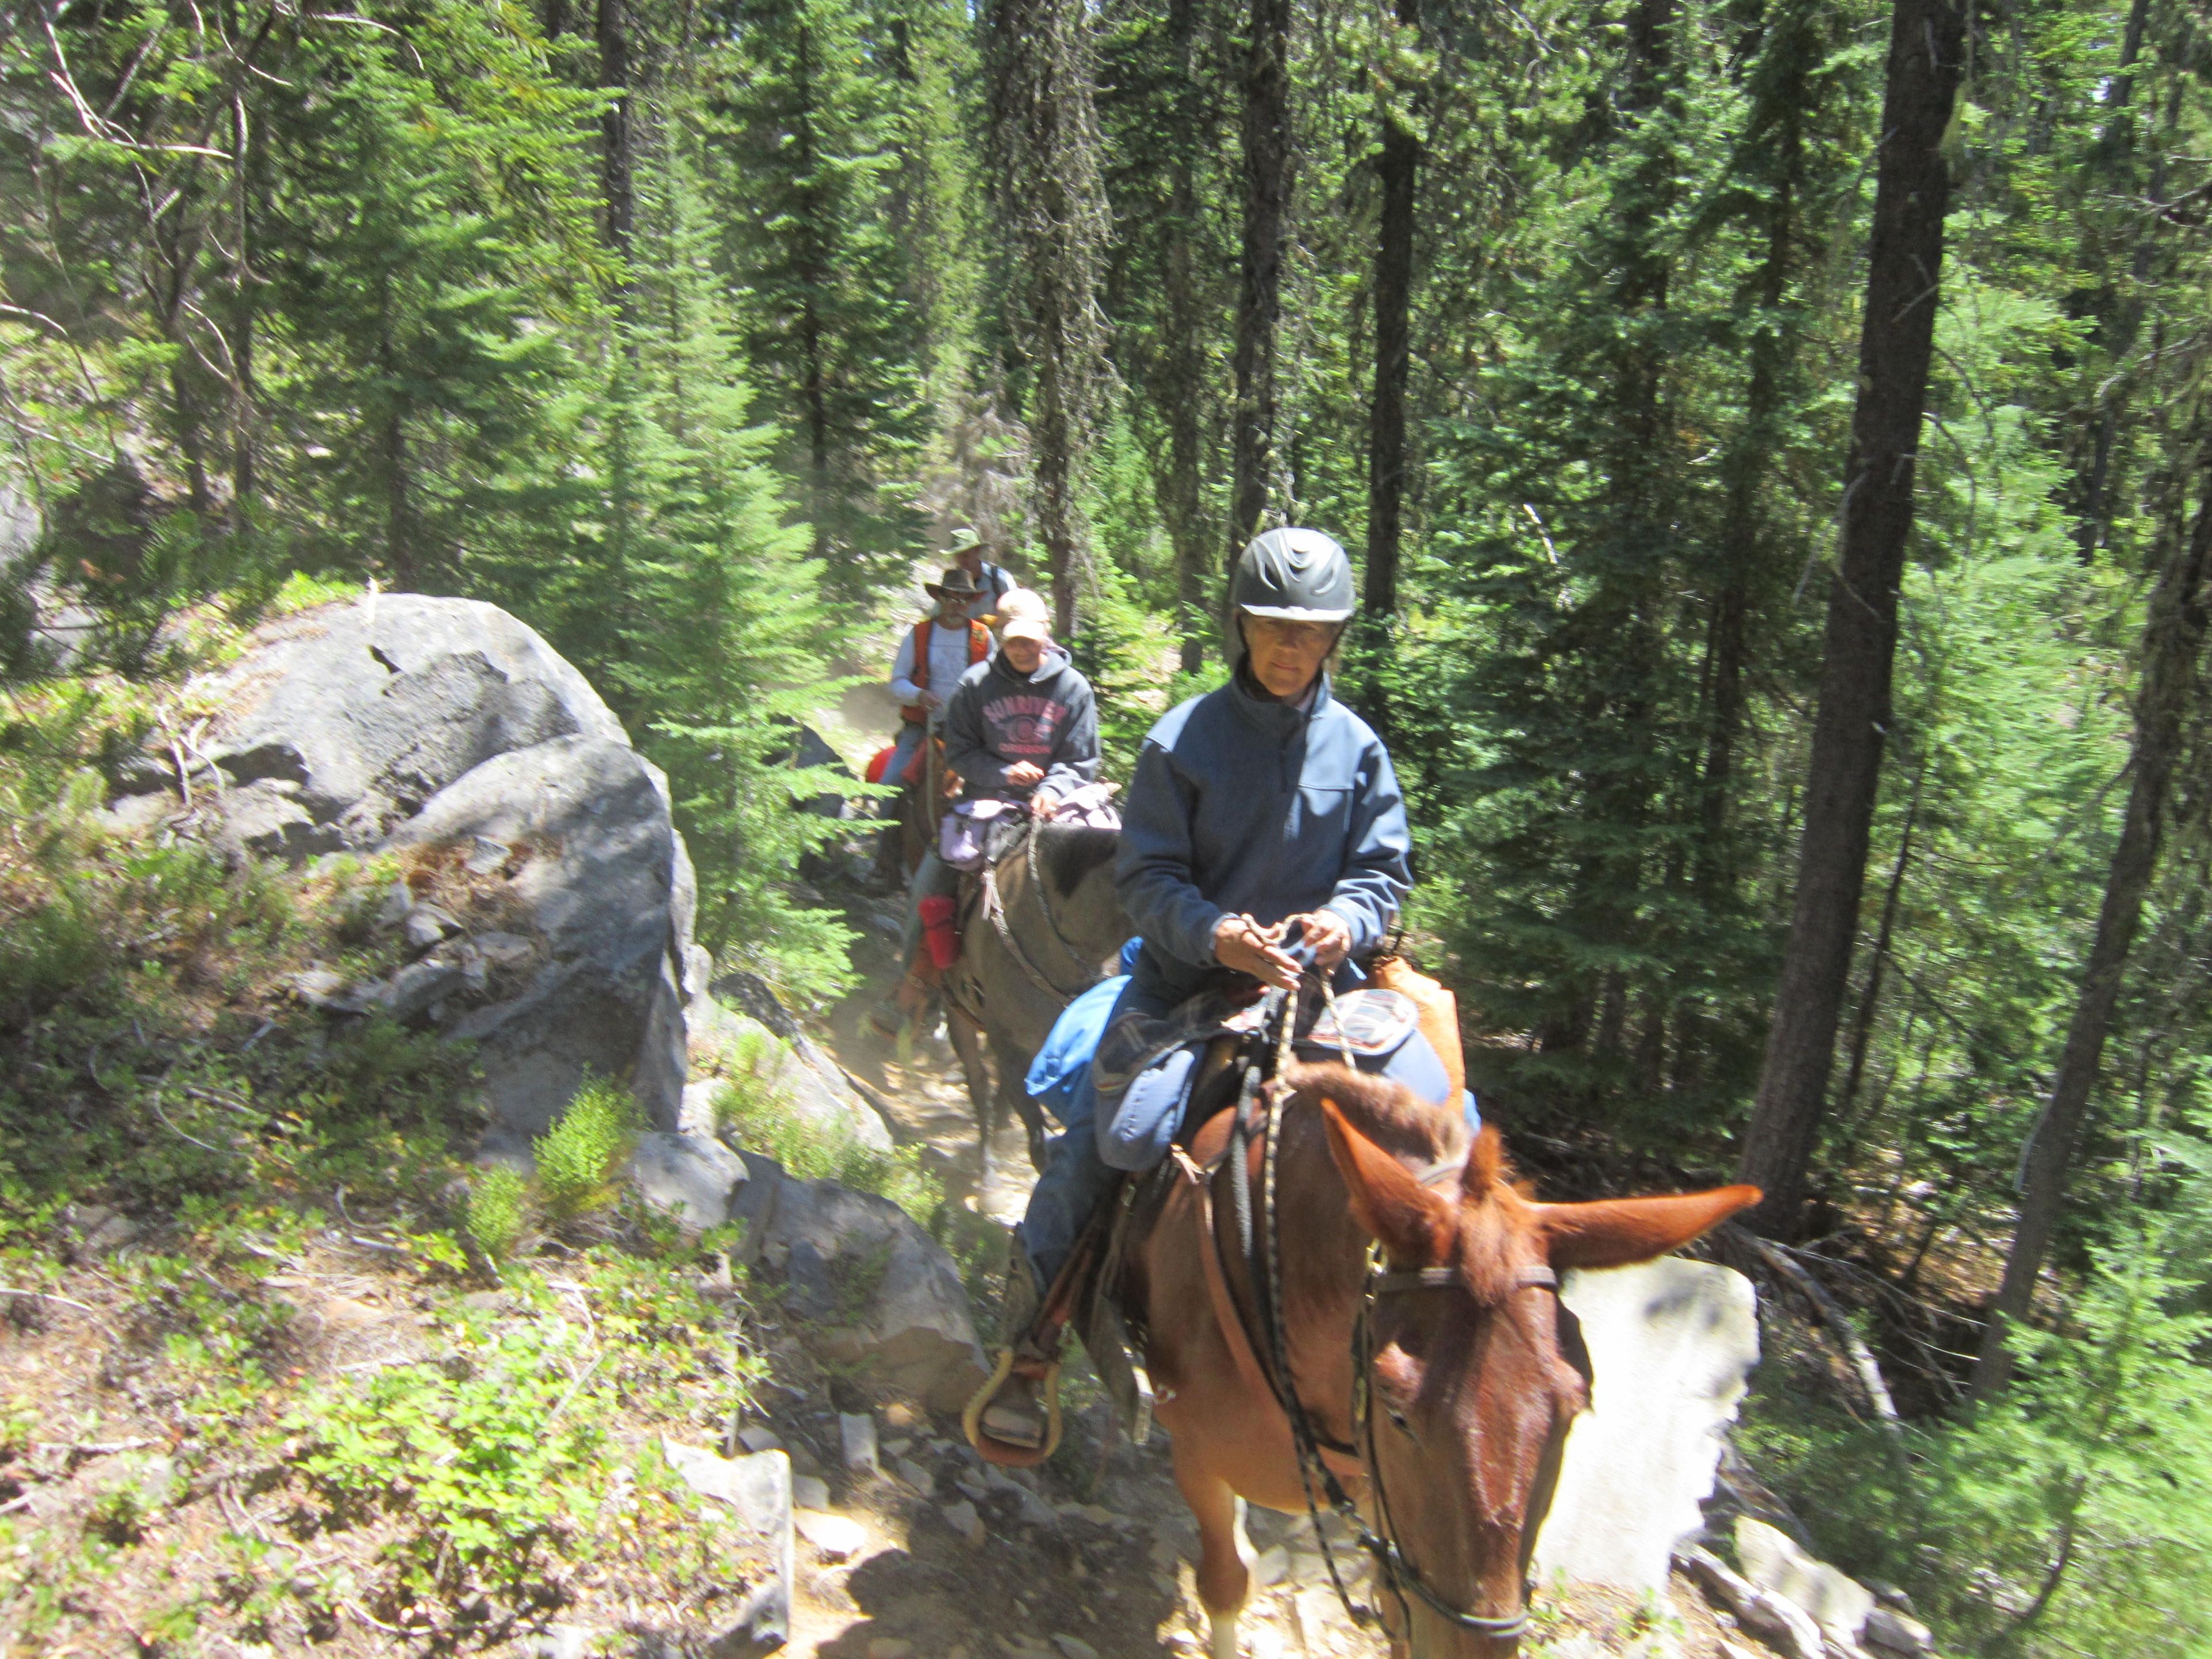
point(1613, 1233)
point(1413, 1224)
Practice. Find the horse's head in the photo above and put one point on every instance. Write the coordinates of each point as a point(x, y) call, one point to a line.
point(1473, 1371)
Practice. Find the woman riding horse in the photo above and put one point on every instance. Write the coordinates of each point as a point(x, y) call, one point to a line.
point(1261, 807)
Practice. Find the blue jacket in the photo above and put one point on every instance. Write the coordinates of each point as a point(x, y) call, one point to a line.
point(1243, 803)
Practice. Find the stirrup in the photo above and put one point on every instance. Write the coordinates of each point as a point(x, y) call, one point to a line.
point(1004, 1453)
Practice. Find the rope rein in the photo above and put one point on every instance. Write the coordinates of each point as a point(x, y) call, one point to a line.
point(1391, 1564)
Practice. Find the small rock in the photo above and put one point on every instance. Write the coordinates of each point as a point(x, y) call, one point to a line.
point(427, 925)
point(962, 1519)
point(691, 1178)
point(758, 1437)
point(856, 1437)
point(1892, 1631)
point(1270, 1567)
point(485, 855)
point(973, 1485)
point(835, 1537)
point(398, 899)
point(1838, 1604)
point(410, 992)
point(109, 1237)
point(914, 1475)
point(810, 1491)
point(899, 1446)
point(318, 987)
point(1074, 1647)
point(757, 1487)
point(501, 950)
point(562, 1642)
point(889, 1647)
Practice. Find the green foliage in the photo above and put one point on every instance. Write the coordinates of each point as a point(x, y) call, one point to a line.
point(580, 1157)
point(498, 1211)
point(483, 1461)
point(805, 124)
point(752, 1113)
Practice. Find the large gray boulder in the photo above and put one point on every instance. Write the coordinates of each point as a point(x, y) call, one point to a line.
point(876, 1292)
point(342, 720)
point(1671, 1344)
point(590, 865)
point(545, 888)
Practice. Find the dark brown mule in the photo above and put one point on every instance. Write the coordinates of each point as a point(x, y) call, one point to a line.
point(1470, 1390)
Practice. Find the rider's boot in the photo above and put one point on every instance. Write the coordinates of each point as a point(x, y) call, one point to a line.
point(896, 1015)
point(1013, 1422)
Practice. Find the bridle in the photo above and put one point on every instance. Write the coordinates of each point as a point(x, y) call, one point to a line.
point(1404, 1578)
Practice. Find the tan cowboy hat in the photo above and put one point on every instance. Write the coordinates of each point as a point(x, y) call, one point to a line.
point(1022, 615)
point(956, 584)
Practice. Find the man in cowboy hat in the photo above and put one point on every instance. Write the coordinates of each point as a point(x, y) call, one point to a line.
point(968, 550)
point(932, 657)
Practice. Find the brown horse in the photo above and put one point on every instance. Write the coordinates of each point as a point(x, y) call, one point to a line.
point(1469, 1387)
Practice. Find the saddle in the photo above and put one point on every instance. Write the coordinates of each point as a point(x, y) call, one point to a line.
point(1094, 1295)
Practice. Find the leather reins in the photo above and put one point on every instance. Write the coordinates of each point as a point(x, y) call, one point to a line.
point(1403, 1577)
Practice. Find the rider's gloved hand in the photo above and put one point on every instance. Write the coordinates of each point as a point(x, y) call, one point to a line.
point(1242, 944)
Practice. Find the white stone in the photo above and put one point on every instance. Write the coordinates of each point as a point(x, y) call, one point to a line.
point(1270, 1567)
point(1074, 1647)
point(1896, 1632)
point(1671, 1342)
point(758, 1437)
point(835, 1537)
point(1771, 1561)
point(810, 1491)
point(856, 1438)
point(689, 1177)
point(757, 1488)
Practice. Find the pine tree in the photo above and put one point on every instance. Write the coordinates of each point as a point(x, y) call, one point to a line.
point(807, 123)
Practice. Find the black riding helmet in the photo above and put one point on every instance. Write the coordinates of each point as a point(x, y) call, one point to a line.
point(1300, 576)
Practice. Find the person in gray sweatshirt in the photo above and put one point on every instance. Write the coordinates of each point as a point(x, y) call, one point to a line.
point(1022, 727)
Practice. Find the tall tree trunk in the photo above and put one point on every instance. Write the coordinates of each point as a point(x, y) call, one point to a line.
point(1184, 367)
point(1051, 197)
point(1870, 1001)
point(615, 137)
point(2093, 526)
point(1266, 150)
point(2173, 642)
point(810, 265)
point(1912, 193)
point(1397, 171)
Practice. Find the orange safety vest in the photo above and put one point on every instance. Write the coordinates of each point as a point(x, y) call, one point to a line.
point(979, 647)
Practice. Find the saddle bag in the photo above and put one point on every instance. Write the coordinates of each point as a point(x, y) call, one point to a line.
point(1438, 1015)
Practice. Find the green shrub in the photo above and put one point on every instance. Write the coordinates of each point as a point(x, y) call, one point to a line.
point(482, 1457)
point(578, 1157)
point(498, 1211)
point(814, 1149)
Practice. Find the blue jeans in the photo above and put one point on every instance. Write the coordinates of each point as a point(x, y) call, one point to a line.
point(1076, 1178)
